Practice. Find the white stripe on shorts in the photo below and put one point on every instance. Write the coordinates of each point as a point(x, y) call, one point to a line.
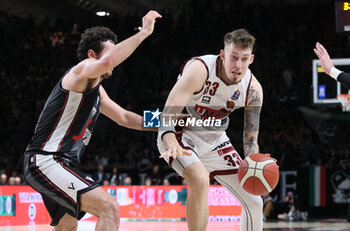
point(60, 176)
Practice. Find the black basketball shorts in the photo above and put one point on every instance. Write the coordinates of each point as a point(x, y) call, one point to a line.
point(59, 183)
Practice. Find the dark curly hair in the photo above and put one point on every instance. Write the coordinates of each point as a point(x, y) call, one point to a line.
point(92, 39)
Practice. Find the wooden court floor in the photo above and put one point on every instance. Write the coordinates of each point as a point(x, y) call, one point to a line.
point(213, 226)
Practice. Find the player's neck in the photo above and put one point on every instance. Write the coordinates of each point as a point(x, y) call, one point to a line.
point(222, 74)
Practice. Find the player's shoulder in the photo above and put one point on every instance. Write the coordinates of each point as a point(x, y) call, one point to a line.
point(255, 92)
point(77, 71)
point(198, 62)
point(208, 58)
point(208, 61)
point(78, 68)
point(255, 84)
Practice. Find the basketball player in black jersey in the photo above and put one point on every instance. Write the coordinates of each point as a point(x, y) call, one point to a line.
point(65, 126)
point(329, 68)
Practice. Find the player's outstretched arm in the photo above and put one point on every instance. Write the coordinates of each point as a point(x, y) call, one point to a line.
point(94, 68)
point(119, 115)
point(328, 66)
point(252, 118)
point(191, 81)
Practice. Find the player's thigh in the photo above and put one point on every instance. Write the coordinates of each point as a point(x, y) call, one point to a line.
point(179, 164)
point(99, 202)
point(222, 159)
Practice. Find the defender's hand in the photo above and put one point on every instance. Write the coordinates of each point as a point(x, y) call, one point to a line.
point(175, 151)
point(149, 20)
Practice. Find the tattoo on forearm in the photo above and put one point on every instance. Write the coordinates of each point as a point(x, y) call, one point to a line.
point(251, 118)
point(252, 123)
point(250, 146)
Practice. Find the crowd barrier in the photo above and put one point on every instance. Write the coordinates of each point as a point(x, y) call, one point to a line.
point(22, 205)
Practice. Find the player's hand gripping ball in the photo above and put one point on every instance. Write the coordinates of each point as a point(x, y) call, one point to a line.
point(258, 174)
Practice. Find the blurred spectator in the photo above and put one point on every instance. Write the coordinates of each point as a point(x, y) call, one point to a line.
point(3, 179)
point(11, 181)
point(100, 176)
point(148, 181)
point(15, 180)
point(166, 182)
point(18, 180)
point(127, 180)
point(155, 175)
point(269, 207)
point(290, 209)
point(106, 183)
point(114, 178)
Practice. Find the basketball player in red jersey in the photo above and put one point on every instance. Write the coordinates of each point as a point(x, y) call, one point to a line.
point(65, 126)
point(213, 86)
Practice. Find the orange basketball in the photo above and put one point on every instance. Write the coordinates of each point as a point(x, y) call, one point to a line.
point(258, 174)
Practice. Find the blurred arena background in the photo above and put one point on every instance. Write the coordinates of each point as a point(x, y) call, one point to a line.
point(308, 135)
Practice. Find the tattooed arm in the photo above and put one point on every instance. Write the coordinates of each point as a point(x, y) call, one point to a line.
point(252, 118)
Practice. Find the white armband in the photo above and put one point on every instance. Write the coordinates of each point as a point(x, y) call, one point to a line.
point(334, 73)
point(165, 130)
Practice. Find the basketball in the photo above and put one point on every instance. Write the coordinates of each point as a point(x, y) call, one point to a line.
point(258, 174)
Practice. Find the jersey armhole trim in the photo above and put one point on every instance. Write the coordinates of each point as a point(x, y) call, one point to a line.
point(206, 67)
point(250, 81)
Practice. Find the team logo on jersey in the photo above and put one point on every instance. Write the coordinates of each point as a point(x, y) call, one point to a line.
point(207, 113)
point(206, 99)
point(221, 145)
point(225, 150)
point(85, 134)
point(230, 104)
point(151, 118)
point(87, 137)
point(71, 186)
point(236, 95)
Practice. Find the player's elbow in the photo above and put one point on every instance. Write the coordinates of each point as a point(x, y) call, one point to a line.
point(122, 122)
point(122, 119)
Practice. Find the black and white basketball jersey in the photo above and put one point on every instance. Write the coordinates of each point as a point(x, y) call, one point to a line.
point(66, 123)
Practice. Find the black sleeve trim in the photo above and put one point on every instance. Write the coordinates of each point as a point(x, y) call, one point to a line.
point(166, 133)
point(344, 78)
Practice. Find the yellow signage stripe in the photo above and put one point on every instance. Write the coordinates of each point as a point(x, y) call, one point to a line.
point(320, 69)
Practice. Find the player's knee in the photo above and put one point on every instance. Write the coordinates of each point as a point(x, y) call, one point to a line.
point(110, 209)
point(199, 183)
point(256, 203)
point(71, 225)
